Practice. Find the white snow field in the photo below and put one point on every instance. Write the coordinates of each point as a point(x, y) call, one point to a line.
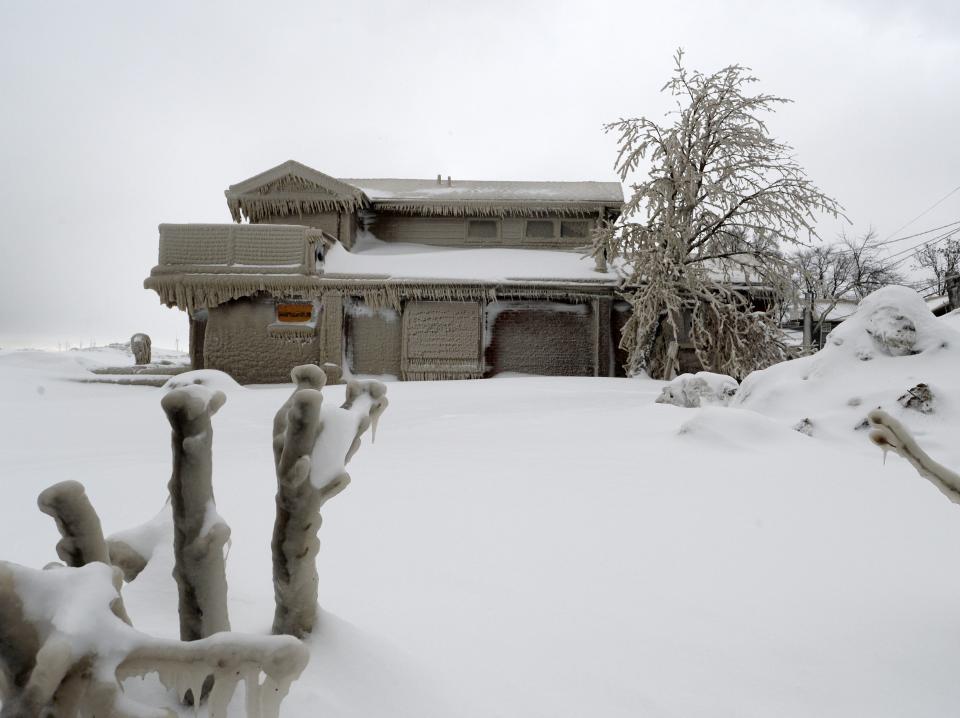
point(557, 547)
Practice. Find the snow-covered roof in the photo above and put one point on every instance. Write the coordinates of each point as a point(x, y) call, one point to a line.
point(292, 188)
point(488, 191)
point(373, 258)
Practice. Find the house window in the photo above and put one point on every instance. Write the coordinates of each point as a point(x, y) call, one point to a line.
point(539, 229)
point(482, 229)
point(574, 230)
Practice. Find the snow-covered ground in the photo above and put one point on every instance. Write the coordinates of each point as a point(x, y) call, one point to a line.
point(558, 547)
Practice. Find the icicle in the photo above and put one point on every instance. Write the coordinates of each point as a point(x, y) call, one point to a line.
point(224, 686)
point(251, 682)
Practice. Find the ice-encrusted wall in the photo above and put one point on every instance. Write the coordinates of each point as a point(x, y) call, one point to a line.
point(372, 339)
point(425, 340)
point(238, 340)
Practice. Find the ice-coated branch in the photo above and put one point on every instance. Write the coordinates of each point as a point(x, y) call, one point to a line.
point(267, 665)
point(890, 435)
point(54, 665)
point(199, 533)
point(81, 534)
point(311, 445)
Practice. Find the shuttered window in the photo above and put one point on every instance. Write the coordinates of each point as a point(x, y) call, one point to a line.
point(574, 230)
point(539, 229)
point(482, 229)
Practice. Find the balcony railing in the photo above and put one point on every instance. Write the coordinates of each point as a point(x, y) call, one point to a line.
point(240, 249)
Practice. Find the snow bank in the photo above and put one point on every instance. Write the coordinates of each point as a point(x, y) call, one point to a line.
point(701, 389)
point(881, 357)
point(725, 550)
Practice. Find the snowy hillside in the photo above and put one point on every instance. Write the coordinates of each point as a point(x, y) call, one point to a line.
point(561, 547)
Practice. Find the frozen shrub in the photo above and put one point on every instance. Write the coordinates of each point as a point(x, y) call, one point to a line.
point(312, 445)
point(52, 664)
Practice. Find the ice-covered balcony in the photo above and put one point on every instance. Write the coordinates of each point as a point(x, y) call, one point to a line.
point(204, 264)
point(239, 249)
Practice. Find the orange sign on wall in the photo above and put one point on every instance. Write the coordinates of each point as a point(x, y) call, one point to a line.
point(294, 312)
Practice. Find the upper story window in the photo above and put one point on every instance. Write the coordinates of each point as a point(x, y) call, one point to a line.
point(574, 229)
point(540, 229)
point(482, 229)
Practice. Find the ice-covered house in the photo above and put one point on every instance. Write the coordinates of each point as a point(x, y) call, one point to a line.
point(419, 279)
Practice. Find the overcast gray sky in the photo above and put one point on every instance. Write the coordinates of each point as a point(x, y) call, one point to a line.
point(116, 116)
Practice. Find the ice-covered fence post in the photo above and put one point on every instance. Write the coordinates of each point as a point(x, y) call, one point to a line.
point(890, 435)
point(140, 346)
point(81, 533)
point(199, 533)
point(311, 449)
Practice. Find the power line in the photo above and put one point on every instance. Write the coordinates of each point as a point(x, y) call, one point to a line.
point(894, 241)
point(910, 251)
point(928, 209)
point(918, 234)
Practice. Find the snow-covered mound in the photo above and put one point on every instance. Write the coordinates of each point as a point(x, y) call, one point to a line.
point(210, 378)
point(701, 389)
point(892, 354)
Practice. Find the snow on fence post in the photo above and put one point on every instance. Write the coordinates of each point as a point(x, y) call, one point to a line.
point(199, 532)
point(311, 447)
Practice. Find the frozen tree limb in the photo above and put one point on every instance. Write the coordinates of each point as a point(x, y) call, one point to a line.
point(52, 664)
point(82, 534)
point(890, 435)
point(311, 445)
point(79, 526)
point(199, 532)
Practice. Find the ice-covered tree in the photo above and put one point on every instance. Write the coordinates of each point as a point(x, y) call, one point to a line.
point(939, 261)
point(849, 268)
point(704, 230)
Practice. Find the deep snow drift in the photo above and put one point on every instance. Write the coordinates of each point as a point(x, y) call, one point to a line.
point(876, 359)
point(562, 547)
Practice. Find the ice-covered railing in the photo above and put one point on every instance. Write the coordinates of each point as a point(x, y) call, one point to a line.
point(239, 249)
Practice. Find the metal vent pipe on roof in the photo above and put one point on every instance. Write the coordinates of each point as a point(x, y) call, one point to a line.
point(439, 179)
point(449, 181)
